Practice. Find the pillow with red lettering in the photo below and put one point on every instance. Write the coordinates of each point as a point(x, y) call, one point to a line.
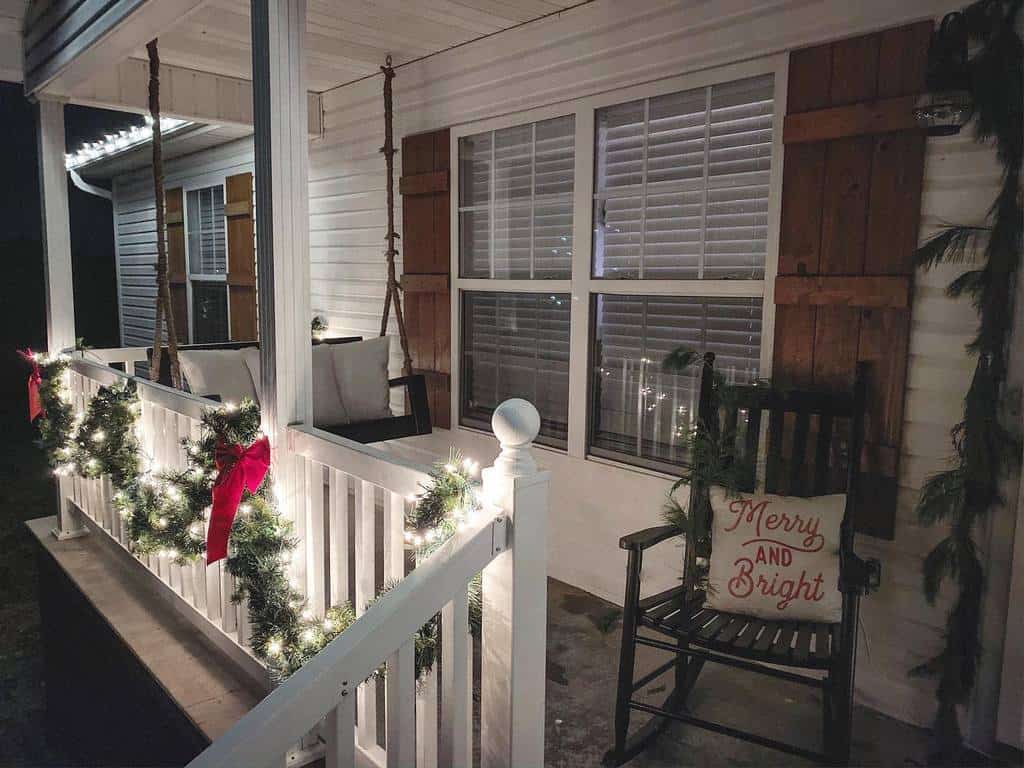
point(776, 557)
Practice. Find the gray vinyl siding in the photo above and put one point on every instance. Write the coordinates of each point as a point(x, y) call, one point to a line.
point(135, 230)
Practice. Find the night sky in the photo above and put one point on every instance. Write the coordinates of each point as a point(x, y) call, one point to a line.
point(22, 318)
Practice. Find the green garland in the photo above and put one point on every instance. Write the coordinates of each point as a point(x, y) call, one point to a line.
point(447, 503)
point(984, 449)
point(165, 513)
point(57, 424)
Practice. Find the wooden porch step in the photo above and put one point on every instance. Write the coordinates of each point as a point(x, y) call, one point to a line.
point(199, 681)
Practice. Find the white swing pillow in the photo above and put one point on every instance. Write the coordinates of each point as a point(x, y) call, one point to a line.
point(776, 557)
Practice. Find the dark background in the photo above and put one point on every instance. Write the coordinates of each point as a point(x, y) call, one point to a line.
point(26, 488)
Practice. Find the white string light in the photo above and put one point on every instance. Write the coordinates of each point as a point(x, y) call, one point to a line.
point(122, 141)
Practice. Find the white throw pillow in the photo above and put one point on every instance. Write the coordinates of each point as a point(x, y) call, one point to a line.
point(217, 372)
point(328, 410)
point(251, 355)
point(361, 369)
point(776, 557)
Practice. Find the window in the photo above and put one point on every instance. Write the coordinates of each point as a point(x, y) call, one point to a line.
point(683, 233)
point(209, 312)
point(516, 345)
point(681, 184)
point(641, 412)
point(515, 201)
point(207, 264)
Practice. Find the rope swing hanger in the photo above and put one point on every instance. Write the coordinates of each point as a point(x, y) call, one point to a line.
point(393, 294)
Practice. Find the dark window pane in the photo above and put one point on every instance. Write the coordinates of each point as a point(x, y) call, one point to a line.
point(209, 312)
point(207, 236)
point(516, 345)
point(681, 184)
point(640, 414)
point(515, 201)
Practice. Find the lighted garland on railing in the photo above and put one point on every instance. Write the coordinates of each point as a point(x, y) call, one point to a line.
point(446, 505)
point(57, 422)
point(166, 512)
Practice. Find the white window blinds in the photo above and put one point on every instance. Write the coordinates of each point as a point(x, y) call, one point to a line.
point(516, 345)
point(515, 201)
point(640, 413)
point(207, 237)
point(681, 184)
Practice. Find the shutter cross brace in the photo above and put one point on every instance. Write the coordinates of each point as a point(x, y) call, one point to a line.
point(393, 293)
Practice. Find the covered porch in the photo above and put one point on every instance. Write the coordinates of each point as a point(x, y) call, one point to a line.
point(561, 234)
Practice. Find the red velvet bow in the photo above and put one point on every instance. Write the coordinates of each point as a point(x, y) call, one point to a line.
point(35, 379)
point(238, 469)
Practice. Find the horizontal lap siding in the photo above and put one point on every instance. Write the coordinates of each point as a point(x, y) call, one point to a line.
point(135, 230)
point(960, 181)
point(596, 48)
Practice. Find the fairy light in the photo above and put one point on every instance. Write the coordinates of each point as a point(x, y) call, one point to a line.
point(122, 141)
point(161, 522)
point(92, 464)
point(99, 436)
point(328, 624)
point(308, 636)
point(274, 646)
point(230, 407)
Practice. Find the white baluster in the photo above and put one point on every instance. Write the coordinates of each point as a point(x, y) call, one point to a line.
point(315, 552)
point(340, 730)
point(456, 739)
point(401, 707)
point(365, 591)
point(339, 544)
point(426, 720)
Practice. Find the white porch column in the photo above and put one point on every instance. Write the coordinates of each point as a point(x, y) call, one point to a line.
point(514, 645)
point(53, 187)
point(282, 240)
point(60, 297)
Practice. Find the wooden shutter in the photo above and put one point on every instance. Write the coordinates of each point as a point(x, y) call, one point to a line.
point(177, 271)
point(241, 257)
point(426, 260)
point(851, 204)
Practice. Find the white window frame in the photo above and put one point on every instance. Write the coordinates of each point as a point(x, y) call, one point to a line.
point(582, 285)
point(195, 183)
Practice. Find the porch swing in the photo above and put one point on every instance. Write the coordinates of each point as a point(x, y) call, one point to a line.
point(351, 387)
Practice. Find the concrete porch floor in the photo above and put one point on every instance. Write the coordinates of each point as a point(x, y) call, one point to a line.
point(582, 664)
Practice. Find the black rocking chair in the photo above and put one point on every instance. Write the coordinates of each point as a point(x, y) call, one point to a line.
point(680, 623)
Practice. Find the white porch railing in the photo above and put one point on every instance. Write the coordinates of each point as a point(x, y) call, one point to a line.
point(350, 523)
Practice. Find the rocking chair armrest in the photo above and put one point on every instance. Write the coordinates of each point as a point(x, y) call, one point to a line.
point(641, 540)
point(859, 576)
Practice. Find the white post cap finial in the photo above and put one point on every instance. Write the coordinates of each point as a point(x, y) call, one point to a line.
point(516, 423)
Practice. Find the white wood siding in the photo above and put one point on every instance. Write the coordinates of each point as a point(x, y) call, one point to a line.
point(135, 229)
point(597, 48)
point(961, 180)
point(588, 50)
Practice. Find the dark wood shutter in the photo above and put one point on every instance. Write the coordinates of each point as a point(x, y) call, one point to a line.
point(426, 264)
point(241, 257)
point(177, 270)
point(851, 203)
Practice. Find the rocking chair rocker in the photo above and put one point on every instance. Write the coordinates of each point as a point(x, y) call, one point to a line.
point(695, 634)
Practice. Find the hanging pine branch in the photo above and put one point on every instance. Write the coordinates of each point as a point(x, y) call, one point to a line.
point(984, 448)
point(393, 294)
point(164, 315)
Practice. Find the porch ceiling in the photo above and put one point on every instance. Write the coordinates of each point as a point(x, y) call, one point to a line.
point(346, 39)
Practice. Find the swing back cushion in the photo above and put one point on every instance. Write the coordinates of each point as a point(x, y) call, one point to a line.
point(776, 557)
point(350, 381)
point(221, 372)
